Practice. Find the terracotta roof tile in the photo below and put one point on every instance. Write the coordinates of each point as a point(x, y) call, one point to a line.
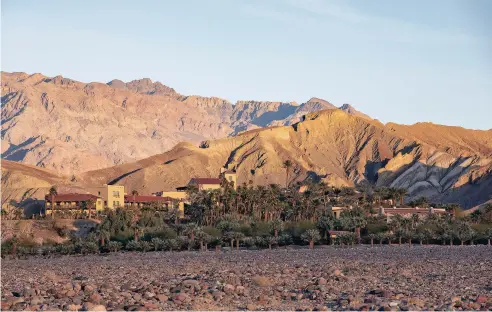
point(146, 199)
point(205, 181)
point(74, 197)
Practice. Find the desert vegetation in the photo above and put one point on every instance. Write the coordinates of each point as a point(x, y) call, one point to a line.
point(261, 217)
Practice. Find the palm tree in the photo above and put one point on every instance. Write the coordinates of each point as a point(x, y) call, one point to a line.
point(400, 193)
point(135, 194)
point(396, 222)
point(90, 204)
point(287, 165)
point(473, 237)
point(353, 219)
point(83, 207)
point(380, 237)
point(271, 240)
point(325, 224)
point(444, 236)
point(392, 194)
point(409, 235)
point(229, 236)
point(204, 239)
point(372, 236)
point(190, 229)
point(463, 232)
point(400, 232)
point(53, 192)
point(137, 232)
point(104, 235)
point(420, 235)
point(276, 225)
point(428, 234)
point(238, 236)
point(414, 221)
point(311, 236)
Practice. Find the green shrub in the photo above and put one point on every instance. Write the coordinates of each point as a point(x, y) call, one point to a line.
point(123, 236)
point(246, 230)
point(145, 246)
point(158, 244)
point(377, 227)
point(48, 250)
point(27, 251)
point(132, 246)
point(261, 229)
point(284, 240)
point(217, 241)
point(249, 241)
point(65, 249)
point(6, 247)
point(114, 246)
point(296, 229)
point(311, 235)
point(89, 248)
point(212, 231)
point(260, 242)
point(183, 242)
point(173, 244)
point(162, 233)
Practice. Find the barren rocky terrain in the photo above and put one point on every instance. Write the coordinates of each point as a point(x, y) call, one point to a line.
point(70, 127)
point(362, 278)
point(89, 134)
point(334, 147)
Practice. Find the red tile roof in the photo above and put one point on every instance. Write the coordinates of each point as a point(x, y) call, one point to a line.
point(411, 210)
point(205, 181)
point(72, 197)
point(146, 199)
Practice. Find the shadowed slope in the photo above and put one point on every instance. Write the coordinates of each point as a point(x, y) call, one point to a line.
point(330, 145)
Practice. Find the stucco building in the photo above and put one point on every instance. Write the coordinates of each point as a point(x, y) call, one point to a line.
point(72, 202)
point(113, 196)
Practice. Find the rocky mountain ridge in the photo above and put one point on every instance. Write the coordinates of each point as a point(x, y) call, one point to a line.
point(71, 127)
point(80, 131)
point(330, 146)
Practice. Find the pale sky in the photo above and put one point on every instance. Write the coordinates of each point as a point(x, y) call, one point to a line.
point(399, 61)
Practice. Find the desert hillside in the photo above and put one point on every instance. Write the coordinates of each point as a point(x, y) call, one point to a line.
point(332, 146)
point(71, 127)
point(149, 137)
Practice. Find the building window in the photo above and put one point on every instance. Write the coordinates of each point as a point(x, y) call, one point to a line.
point(116, 193)
point(99, 193)
point(230, 179)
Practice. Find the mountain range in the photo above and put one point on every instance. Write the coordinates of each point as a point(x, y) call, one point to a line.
point(71, 127)
point(148, 137)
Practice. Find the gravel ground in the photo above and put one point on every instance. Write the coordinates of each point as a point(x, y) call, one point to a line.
point(362, 278)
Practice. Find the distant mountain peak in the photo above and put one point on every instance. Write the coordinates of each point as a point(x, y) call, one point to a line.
point(349, 109)
point(319, 101)
point(144, 85)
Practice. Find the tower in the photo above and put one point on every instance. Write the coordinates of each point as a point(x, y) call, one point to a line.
point(230, 176)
